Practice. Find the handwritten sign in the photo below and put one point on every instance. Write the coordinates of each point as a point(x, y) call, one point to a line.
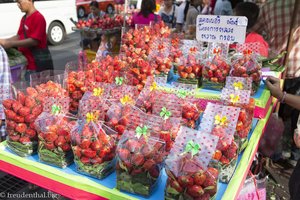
point(215, 28)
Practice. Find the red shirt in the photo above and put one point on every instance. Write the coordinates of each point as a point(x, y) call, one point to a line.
point(35, 27)
point(255, 37)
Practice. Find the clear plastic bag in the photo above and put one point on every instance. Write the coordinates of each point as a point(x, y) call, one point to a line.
point(191, 174)
point(139, 161)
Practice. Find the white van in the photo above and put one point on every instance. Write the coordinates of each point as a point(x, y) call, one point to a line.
point(56, 12)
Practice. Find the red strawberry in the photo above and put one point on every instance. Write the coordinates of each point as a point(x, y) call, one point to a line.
point(10, 114)
point(32, 125)
point(85, 143)
point(96, 160)
point(185, 181)
point(66, 147)
point(120, 129)
point(24, 111)
point(154, 172)
point(199, 178)
point(176, 186)
point(30, 102)
point(231, 152)
point(147, 151)
point(36, 111)
point(30, 133)
point(30, 118)
point(25, 140)
point(123, 121)
point(217, 155)
point(89, 153)
point(85, 160)
point(123, 154)
point(21, 97)
point(50, 137)
point(136, 172)
point(62, 132)
point(224, 160)
point(16, 106)
point(97, 145)
point(149, 164)
point(14, 138)
point(133, 145)
point(138, 159)
point(19, 119)
point(11, 124)
point(49, 146)
point(60, 141)
point(77, 151)
point(205, 196)
point(7, 103)
point(195, 191)
point(21, 128)
point(210, 179)
point(242, 115)
point(31, 92)
point(211, 190)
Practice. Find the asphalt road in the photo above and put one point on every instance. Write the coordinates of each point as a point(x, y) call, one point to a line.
point(65, 52)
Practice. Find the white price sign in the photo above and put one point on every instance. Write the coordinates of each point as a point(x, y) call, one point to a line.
point(215, 28)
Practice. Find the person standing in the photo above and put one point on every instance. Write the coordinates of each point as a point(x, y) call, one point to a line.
point(5, 83)
point(223, 7)
point(30, 36)
point(168, 13)
point(274, 21)
point(95, 12)
point(146, 14)
point(191, 18)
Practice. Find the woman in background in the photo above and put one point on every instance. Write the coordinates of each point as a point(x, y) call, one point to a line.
point(168, 13)
point(146, 15)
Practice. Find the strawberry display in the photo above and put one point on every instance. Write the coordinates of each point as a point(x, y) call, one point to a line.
point(161, 63)
point(191, 174)
point(246, 65)
point(94, 147)
point(55, 137)
point(20, 115)
point(241, 99)
point(215, 72)
point(221, 121)
point(139, 161)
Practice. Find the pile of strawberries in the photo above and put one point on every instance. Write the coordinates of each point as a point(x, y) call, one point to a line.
point(139, 163)
point(20, 116)
point(94, 148)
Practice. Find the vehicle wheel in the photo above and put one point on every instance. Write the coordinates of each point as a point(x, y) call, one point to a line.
point(110, 9)
point(81, 12)
point(56, 33)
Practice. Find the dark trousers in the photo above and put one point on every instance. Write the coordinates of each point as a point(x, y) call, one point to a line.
point(294, 183)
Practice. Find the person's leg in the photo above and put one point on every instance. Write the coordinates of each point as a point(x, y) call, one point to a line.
point(294, 183)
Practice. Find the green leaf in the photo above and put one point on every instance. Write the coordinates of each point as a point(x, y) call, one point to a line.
point(171, 190)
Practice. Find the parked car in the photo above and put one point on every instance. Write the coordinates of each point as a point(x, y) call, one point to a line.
point(83, 7)
point(57, 16)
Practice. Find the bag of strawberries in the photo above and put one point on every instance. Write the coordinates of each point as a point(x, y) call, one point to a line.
point(139, 161)
point(161, 62)
point(192, 174)
point(246, 65)
point(94, 146)
point(54, 125)
point(221, 121)
point(20, 114)
point(241, 99)
point(215, 71)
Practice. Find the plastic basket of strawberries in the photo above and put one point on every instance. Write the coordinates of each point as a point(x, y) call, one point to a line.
point(215, 71)
point(139, 161)
point(191, 174)
point(20, 114)
point(247, 65)
point(54, 125)
point(221, 121)
point(241, 99)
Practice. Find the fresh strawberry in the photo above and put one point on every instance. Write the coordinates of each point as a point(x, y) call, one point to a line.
point(30, 133)
point(77, 151)
point(37, 110)
point(19, 119)
point(205, 196)
point(176, 186)
point(231, 152)
point(224, 160)
point(96, 145)
point(62, 132)
point(66, 147)
point(199, 178)
point(154, 172)
point(217, 155)
point(49, 145)
point(210, 180)
point(136, 172)
point(60, 141)
point(16, 106)
point(195, 191)
point(85, 143)
point(50, 137)
point(11, 124)
point(30, 102)
point(25, 140)
point(24, 111)
point(185, 181)
point(85, 160)
point(96, 160)
point(123, 121)
point(14, 138)
point(149, 164)
point(120, 129)
point(138, 159)
point(32, 126)
point(30, 118)
point(10, 114)
point(133, 145)
point(7, 103)
point(147, 151)
point(89, 153)
point(21, 97)
point(21, 128)
point(31, 92)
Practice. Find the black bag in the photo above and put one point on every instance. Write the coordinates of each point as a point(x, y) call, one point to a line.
point(42, 57)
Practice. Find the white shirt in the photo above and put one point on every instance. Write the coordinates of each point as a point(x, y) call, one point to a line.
point(180, 13)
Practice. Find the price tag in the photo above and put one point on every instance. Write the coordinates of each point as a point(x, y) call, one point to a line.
point(225, 29)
